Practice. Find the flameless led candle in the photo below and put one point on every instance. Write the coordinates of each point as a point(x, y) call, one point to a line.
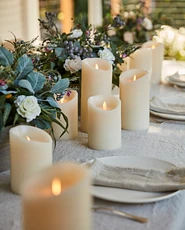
point(141, 59)
point(134, 95)
point(30, 151)
point(157, 59)
point(69, 106)
point(95, 12)
point(96, 80)
point(58, 198)
point(104, 122)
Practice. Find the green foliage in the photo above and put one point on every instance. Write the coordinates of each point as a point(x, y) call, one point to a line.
point(21, 75)
point(82, 42)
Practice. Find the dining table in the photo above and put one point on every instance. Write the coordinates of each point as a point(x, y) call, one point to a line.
point(164, 141)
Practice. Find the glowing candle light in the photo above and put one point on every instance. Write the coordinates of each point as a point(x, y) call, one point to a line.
point(56, 187)
point(28, 138)
point(96, 66)
point(134, 78)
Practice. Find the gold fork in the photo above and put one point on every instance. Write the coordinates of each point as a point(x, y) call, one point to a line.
point(127, 215)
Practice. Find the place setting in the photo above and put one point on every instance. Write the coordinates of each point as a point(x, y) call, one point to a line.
point(168, 107)
point(177, 79)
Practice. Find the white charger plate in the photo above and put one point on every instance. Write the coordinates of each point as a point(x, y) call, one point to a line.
point(173, 82)
point(168, 116)
point(132, 196)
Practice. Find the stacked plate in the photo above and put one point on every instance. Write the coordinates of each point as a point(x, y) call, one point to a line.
point(170, 107)
point(177, 79)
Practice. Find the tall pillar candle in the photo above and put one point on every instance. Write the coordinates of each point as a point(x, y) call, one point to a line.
point(141, 59)
point(96, 80)
point(58, 198)
point(104, 122)
point(134, 95)
point(95, 12)
point(69, 106)
point(30, 151)
point(157, 60)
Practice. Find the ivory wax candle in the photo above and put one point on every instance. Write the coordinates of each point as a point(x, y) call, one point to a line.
point(96, 80)
point(58, 198)
point(134, 95)
point(30, 151)
point(104, 122)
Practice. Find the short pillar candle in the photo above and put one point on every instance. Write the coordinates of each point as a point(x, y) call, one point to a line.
point(69, 106)
point(134, 95)
point(30, 151)
point(104, 122)
point(96, 80)
point(157, 60)
point(58, 198)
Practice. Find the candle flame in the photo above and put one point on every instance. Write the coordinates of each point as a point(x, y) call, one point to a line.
point(153, 47)
point(134, 78)
point(104, 105)
point(62, 100)
point(28, 138)
point(96, 66)
point(56, 187)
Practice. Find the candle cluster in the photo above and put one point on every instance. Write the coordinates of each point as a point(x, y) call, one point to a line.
point(56, 193)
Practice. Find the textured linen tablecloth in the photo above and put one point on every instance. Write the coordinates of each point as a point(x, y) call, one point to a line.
point(164, 141)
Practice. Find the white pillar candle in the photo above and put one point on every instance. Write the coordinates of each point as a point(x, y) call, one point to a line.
point(157, 59)
point(141, 59)
point(104, 122)
point(69, 106)
point(95, 12)
point(96, 80)
point(30, 151)
point(134, 95)
point(58, 198)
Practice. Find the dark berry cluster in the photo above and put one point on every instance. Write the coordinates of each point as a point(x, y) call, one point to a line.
point(118, 22)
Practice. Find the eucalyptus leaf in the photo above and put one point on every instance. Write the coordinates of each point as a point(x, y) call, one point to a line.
point(60, 86)
point(58, 51)
point(3, 87)
point(1, 121)
point(7, 92)
point(6, 113)
point(24, 66)
point(41, 123)
point(52, 102)
point(6, 57)
point(76, 44)
point(26, 85)
point(36, 80)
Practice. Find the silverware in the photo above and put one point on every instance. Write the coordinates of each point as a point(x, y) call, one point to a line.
point(127, 215)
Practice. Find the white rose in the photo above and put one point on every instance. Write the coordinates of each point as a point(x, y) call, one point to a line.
point(107, 55)
point(28, 107)
point(147, 23)
point(128, 37)
point(73, 65)
point(76, 33)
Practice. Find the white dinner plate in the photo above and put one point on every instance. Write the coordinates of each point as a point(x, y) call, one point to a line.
point(132, 196)
point(173, 82)
point(168, 116)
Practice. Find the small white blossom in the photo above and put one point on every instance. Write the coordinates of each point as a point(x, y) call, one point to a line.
point(73, 65)
point(76, 33)
point(128, 37)
point(147, 23)
point(27, 107)
point(107, 55)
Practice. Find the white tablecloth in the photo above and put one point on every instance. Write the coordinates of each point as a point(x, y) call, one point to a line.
point(162, 141)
